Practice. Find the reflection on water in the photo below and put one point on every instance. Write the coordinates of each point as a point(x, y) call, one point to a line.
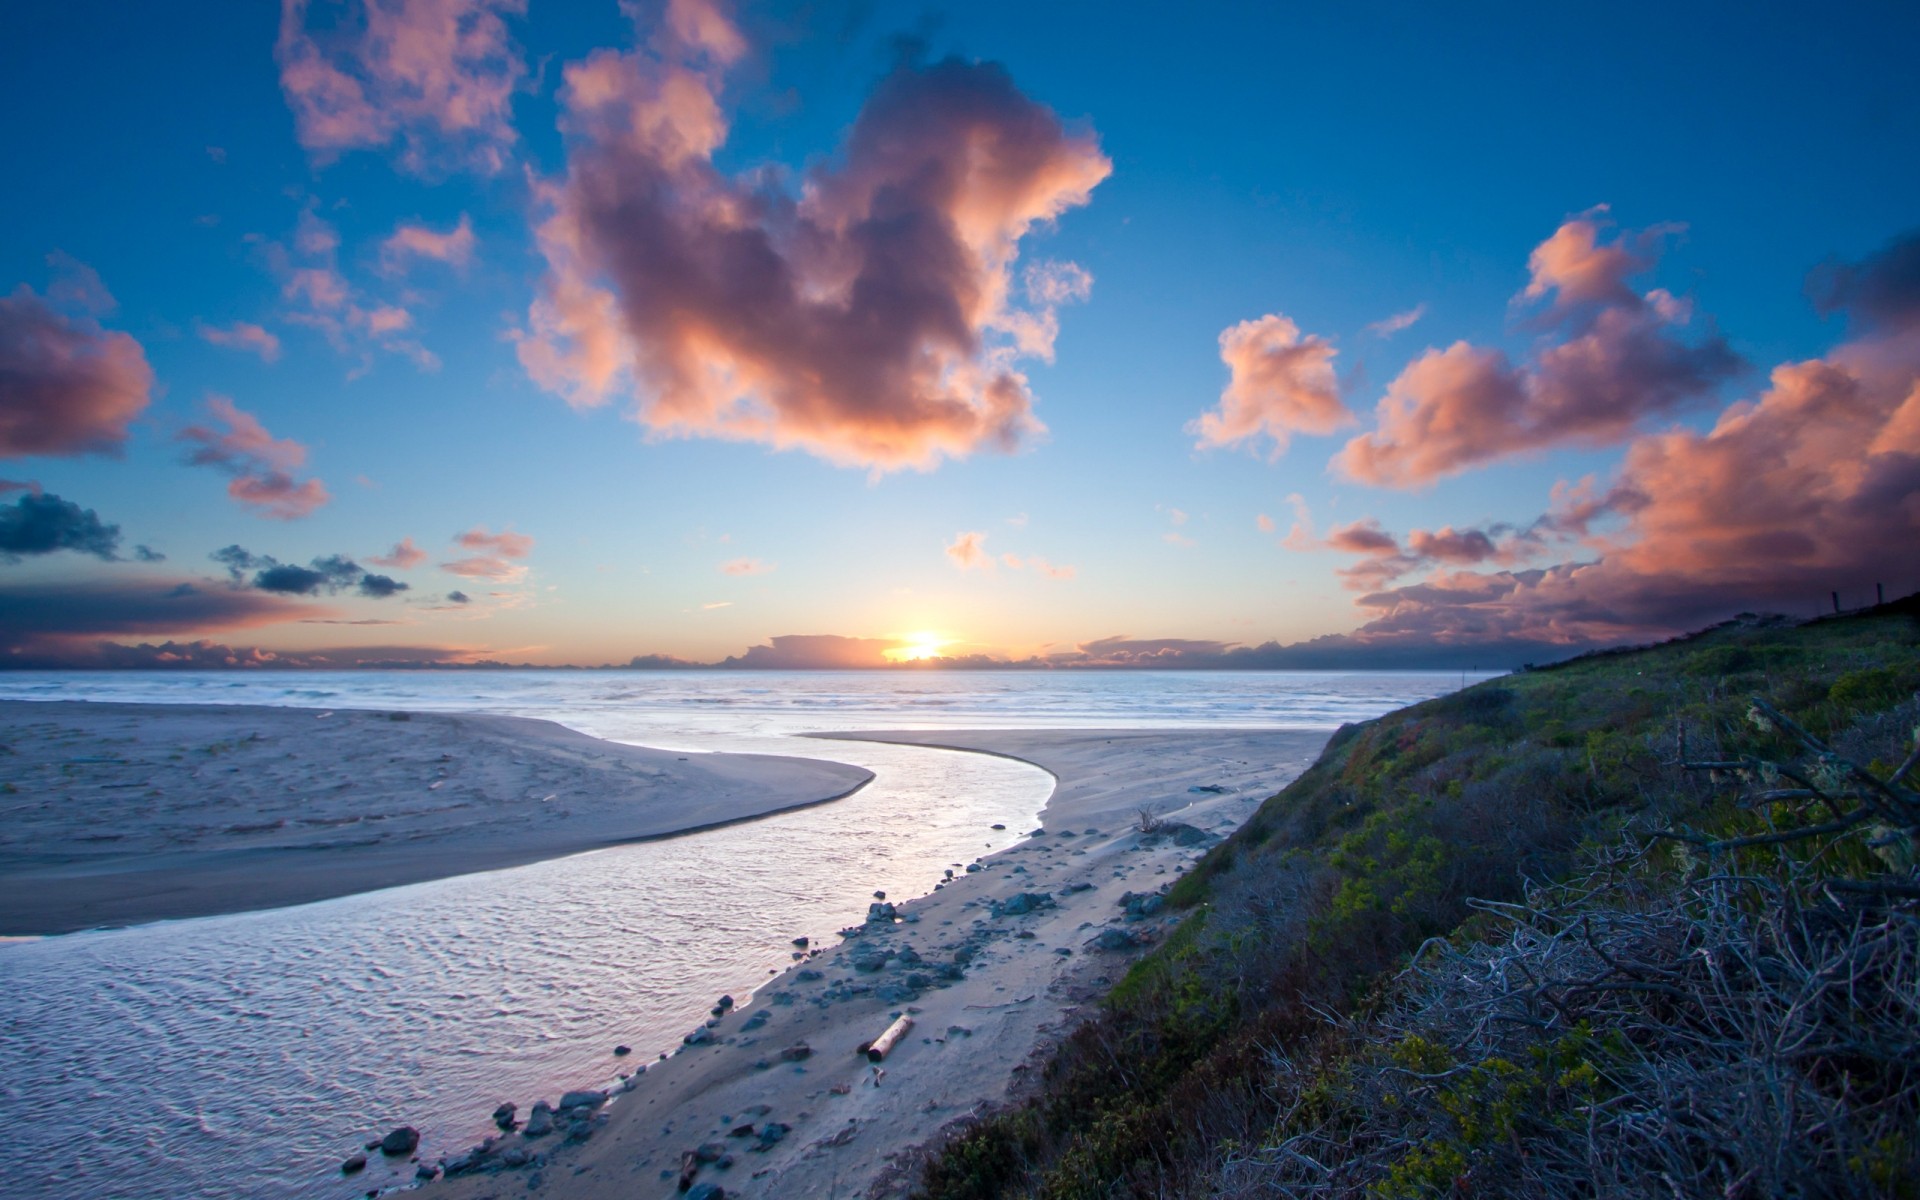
point(247, 1055)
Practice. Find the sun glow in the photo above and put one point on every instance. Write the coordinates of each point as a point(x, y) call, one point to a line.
point(917, 646)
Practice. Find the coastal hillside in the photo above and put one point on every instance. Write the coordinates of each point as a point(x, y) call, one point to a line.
point(1640, 922)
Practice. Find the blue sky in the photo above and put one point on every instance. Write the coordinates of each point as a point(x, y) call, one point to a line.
point(1334, 166)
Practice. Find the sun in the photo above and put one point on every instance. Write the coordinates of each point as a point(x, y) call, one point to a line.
point(914, 647)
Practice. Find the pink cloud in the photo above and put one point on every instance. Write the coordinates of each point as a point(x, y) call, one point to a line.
point(1619, 363)
point(506, 543)
point(243, 335)
point(968, 552)
point(1058, 574)
point(67, 386)
point(436, 76)
point(403, 555)
point(324, 300)
point(867, 319)
point(1280, 384)
point(746, 566)
point(494, 557)
point(408, 243)
point(1812, 486)
point(261, 465)
point(1264, 523)
point(1388, 326)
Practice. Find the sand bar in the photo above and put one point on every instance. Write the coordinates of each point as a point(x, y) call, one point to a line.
point(830, 1123)
point(113, 814)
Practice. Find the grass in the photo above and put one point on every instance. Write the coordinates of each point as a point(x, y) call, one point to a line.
point(1297, 1035)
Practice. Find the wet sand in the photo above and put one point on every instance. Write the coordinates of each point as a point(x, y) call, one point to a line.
point(114, 814)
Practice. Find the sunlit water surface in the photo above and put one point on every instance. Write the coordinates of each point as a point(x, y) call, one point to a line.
point(246, 1055)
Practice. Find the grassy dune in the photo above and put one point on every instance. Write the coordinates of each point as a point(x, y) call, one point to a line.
point(1647, 921)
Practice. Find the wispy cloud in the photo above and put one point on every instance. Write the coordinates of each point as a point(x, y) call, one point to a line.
point(747, 566)
point(260, 465)
point(243, 335)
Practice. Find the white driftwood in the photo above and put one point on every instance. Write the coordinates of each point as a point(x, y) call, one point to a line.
point(886, 1041)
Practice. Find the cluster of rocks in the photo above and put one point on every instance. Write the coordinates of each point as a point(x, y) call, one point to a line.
point(754, 1135)
point(1179, 833)
point(574, 1119)
point(1141, 905)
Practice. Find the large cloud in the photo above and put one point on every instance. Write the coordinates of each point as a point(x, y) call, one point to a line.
point(869, 321)
point(1615, 363)
point(41, 623)
point(1280, 384)
point(436, 76)
point(67, 386)
point(1811, 487)
point(261, 466)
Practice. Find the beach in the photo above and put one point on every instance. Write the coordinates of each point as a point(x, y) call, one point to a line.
point(774, 1097)
point(115, 814)
point(129, 812)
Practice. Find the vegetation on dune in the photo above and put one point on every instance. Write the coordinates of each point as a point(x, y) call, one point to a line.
point(1646, 921)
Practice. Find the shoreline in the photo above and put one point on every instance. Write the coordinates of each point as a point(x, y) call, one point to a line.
point(770, 1098)
point(117, 814)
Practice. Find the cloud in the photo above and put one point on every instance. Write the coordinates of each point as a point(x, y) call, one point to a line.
point(51, 616)
point(815, 651)
point(1809, 487)
point(1280, 384)
point(243, 335)
point(716, 604)
point(1047, 569)
point(1388, 326)
point(495, 552)
point(261, 465)
point(968, 551)
point(403, 556)
point(1264, 523)
point(321, 298)
point(41, 523)
point(865, 316)
point(67, 386)
point(1617, 364)
point(747, 566)
point(409, 243)
point(436, 76)
point(459, 598)
point(1882, 291)
point(329, 575)
point(77, 653)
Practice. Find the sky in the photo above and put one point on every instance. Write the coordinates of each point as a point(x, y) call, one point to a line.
point(354, 332)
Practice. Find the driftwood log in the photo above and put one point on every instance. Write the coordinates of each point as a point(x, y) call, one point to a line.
point(881, 1045)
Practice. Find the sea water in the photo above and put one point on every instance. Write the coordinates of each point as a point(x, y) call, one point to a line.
point(247, 1055)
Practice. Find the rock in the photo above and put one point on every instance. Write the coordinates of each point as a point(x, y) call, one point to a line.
point(540, 1121)
point(880, 911)
point(740, 1131)
point(355, 1162)
point(425, 1171)
point(773, 1131)
point(706, 1191)
point(698, 1037)
point(503, 1116)
point(798, 1052)
point(722, 1006)
point(1021, 903)
point(894, 993)
point(801, 942)
point(582, 1099)
point(516, 1156)
point(1114, 939)
point(999, 826)
point(809, 975)
point(879, 895)
point(622, 1051)
point(1213, 789)
point(1140, 907)
point(709, 1152)
point(973, 868)
point(908, 956)
point(1078, 886)
point(400, 1141)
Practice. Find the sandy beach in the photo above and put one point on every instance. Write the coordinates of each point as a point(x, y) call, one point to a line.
point(113, 814)
point(774, 1098)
